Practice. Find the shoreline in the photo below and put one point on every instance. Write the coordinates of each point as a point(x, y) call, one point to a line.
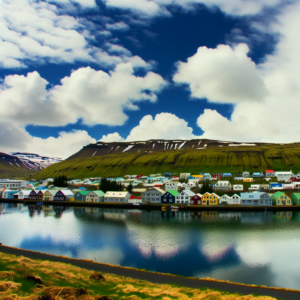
point(151, 274)
point(155, 206)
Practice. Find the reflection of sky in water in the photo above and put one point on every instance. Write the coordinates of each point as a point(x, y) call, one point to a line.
point(255, 247)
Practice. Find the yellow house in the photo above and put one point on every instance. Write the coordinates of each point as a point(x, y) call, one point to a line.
point(210, 199)
point(248, 180)
point(280, 198)
point(200, 177)
point(48, 196)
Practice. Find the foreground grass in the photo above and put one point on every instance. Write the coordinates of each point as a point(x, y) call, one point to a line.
point(65, 281)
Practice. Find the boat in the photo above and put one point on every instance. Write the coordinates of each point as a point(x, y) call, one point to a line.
point(164, 208)
point(174, 207)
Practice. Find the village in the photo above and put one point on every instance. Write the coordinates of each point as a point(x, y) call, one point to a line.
point(167, 189)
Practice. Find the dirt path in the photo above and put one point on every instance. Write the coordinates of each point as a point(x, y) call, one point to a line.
point(155, 277)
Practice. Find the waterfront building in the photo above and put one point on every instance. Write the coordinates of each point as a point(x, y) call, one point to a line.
point(64, 195)
point(256, 199)
point(210, 199)
point(80, 196)
point(184, 197)
point(49, 195)
point(22, 194)
point(280, 198)
point(295, 198)
point(40, 194)
point(33, 195)
point(196, 199)
point(8, 194)
point(119, 197)
point(225, 199)
point(169, 196)
point(152, 195)
point(95, 196)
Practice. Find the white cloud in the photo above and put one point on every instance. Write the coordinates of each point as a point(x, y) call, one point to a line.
point(111, 137)
point(117, 26)
point(96, 97)
point(159, 7)
point(16, 138)
point(163, 126)
point(223, 75)
point(112, 48)
point(83, 3)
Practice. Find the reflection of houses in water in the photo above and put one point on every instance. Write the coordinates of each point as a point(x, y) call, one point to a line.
point(283, 215)
point(114, 214)
point(151, 216)
point(39, 208)
point(229, 215)
point(47, 210)
point(31, 209)
point(2, 208)
point(91, 210)
point(196, 214)
point(58, 210)
point(210, 216)
point(256, 217)
point(183, 216)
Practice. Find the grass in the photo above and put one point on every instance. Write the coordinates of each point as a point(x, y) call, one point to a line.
point(59, 278)
point(230, 159)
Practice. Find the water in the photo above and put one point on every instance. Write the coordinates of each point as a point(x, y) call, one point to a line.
point(260, 248)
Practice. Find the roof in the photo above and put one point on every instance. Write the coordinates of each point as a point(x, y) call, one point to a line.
point(278, 194)
point(297, 195)
point(52, 192)
point(67, 192)
point(116, 194)
point(25, 192)
point(98, 193)
point(254, 196)
point(269, 171)
point(188, 192)
point(225, 196)
point(173, 192)
point(83, 193)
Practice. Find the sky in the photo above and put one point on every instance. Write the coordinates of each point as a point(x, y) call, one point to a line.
point(73, 72)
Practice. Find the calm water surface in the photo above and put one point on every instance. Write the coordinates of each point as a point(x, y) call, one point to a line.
point(254, 247)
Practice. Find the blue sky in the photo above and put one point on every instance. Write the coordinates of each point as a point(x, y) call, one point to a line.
point(75, 72)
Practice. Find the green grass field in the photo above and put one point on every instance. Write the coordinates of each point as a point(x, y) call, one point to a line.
point(229, 159)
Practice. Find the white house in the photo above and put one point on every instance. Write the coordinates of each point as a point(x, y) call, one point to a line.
point(121, 197)
point(238, 187)
point(246, 174)
point(184, 197)
point(185, 175)
point(171, 186)
point(225, 199)
point(254, 187)
point(152, 196)
point(95, 196)
point(11, 184)
point(236, 199)
point(23, 194)
point(256, 199)
point(284, 176)
point(223, 185)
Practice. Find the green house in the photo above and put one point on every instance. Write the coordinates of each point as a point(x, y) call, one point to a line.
point(95, 196)
point(280, 198)
point(295, 198)
point(80, 195)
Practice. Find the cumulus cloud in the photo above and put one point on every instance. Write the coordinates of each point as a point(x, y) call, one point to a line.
point(117, 26)
point(83, 3)
point(96, 97)
point(276, 118)
point(163, 126)
point(16, 138)
point(111, 137)
point(222, 75)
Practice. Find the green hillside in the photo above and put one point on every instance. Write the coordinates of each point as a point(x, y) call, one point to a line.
point(8, 171)
point(229, 159)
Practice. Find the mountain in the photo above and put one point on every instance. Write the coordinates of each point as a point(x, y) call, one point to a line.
point(119, 159)
point(150, 146)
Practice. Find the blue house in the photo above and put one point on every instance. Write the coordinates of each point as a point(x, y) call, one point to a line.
point(169, 196)
point(207, 176)
point(9, 194)
point(201, 173)
point(167, 174)
point(275, 185)
point(191, 177)
point(256, 175)
point(226, 175)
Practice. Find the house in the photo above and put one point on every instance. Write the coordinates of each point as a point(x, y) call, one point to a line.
point(11, 184)
point(184, 197)
point(223, 185)
point(275, 186)
point(169, 196)
point(80, 196)
point(117, 197)
point(49, 195)
point(238, 178)
point(248, 180)
point(63, 195)
point(288, 186)
point(167, 175)
point(254, 187)
point(236, 199)
point(207, 176)
point(246, 174)
point(264, 186)
point(33, 195)
point(196, 199)
point(184, 175)
point(270, 173)
point(238, 187)
point(95, 196)
point(22, 194)
point(226, 175)
point(256, 175)
point(171, 185)
point(152, 196)
point(280, 198)
point(256, 199)
point(210, 199)
point(295, 197)
point(40, 194)
point(225, 199)
point(198, 177)
point(216, 177)
point(284, 176)
point(8, 194)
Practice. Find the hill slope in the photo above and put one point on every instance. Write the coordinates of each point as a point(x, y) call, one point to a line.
point(226, 159)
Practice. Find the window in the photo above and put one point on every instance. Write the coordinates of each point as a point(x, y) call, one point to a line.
point(157, 199)
point(278, 202)
point(288, 202)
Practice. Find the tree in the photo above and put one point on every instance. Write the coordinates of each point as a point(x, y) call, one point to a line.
point(206, 187)
point(129, 188)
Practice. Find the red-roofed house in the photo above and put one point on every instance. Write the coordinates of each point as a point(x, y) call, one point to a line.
point(270, 173)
